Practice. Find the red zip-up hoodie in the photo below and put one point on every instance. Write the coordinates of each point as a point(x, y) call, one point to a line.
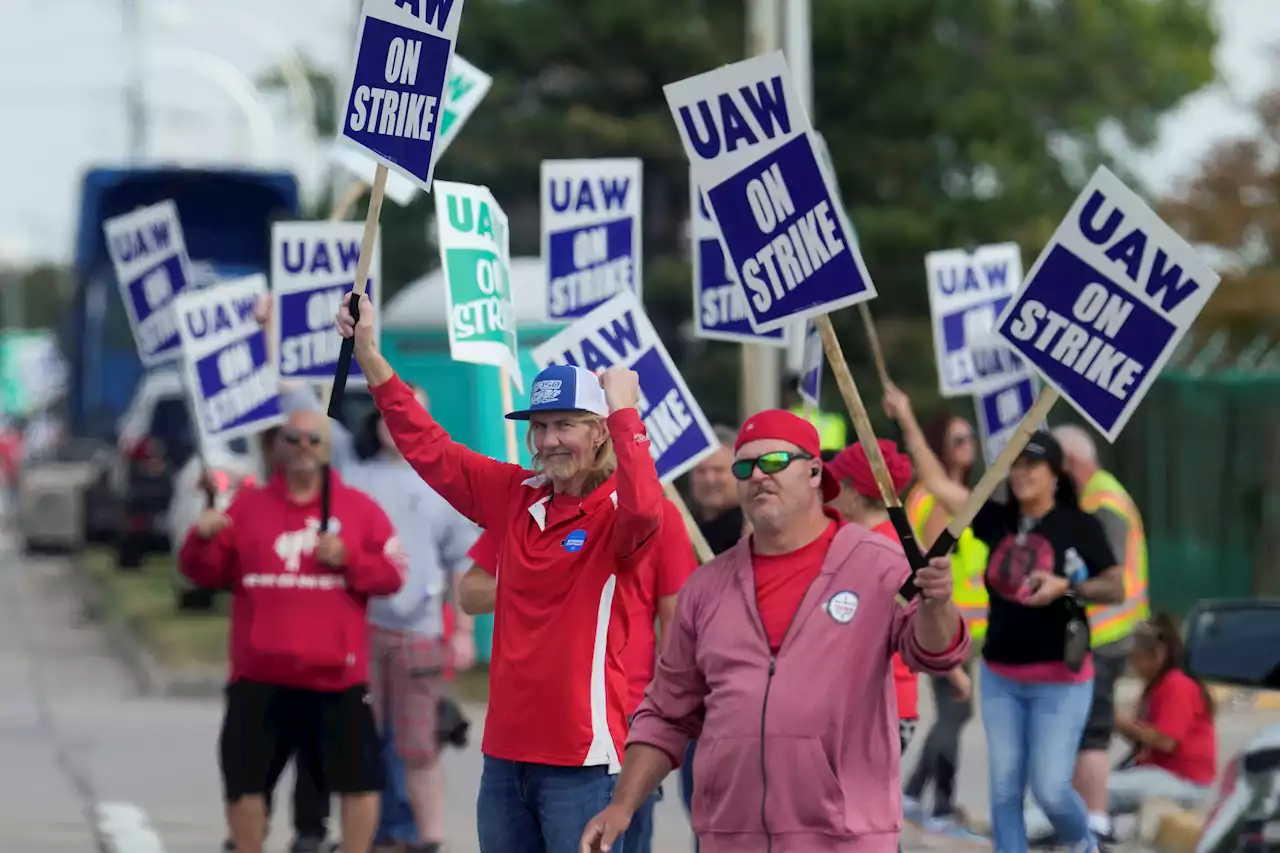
point(294, 621)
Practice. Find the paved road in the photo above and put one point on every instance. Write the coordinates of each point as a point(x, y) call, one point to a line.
point(81, 752)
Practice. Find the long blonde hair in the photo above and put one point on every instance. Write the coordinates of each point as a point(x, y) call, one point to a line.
point(602, 465)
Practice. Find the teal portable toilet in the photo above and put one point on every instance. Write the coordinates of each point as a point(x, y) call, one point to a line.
point(466, 399)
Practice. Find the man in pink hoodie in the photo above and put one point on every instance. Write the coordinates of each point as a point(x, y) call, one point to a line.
point(779, 662)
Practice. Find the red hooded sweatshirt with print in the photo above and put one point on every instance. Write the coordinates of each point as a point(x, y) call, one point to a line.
point(294, 621)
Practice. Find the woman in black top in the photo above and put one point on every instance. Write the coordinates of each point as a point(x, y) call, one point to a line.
point(1048, 557)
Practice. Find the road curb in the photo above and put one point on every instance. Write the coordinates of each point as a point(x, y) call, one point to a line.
point(151, 677)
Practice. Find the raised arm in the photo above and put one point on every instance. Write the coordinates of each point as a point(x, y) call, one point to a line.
point(933, 476)
point(472, 483)
point(640, 498)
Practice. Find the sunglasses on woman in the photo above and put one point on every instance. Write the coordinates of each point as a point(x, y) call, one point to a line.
point(768, 463)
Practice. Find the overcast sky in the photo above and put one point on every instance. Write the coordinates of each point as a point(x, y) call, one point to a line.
point(62, 96)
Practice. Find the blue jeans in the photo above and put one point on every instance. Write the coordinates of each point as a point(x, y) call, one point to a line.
point(539, 808)
point(686, 785)
point(640, 832)
point(396, 821)
point(1033, 735)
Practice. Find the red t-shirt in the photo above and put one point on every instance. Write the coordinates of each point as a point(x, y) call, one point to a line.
point(659, 576)
point(782, 581)
point(905, 682)
point(1177, 709)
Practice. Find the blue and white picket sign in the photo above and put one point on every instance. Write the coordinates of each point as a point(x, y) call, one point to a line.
point(967, 291)
point(809, 387)
point(313, 264)
point(234, 386)
point(619, 333)
point(591, 233)
point(151, 264)
point(464, 89)
point(1000, 410)
point(751, 147)
point(719, 304)
point(394, 109)
point(1106, 302)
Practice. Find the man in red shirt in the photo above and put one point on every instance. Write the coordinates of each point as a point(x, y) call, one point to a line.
point(778, 660)
point(653, 600)
point(299, 642)
point(572, 535)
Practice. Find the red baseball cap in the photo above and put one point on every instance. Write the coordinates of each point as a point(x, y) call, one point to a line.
point(851, 464)
point(780, 425)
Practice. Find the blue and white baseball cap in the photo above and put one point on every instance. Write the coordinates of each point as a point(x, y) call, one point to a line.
point(564, 388)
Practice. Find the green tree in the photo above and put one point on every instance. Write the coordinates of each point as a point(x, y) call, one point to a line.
point(1232, 204)
point(950, 122)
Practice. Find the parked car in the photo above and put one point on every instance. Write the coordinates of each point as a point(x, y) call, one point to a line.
point(1238, 642)
point(56, 511)
point(231, 464)
point(156, 439)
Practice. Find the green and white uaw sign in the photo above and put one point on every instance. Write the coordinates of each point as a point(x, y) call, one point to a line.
point(475, 257)
point(465, 87)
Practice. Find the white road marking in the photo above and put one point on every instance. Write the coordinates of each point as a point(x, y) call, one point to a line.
point(126, 829)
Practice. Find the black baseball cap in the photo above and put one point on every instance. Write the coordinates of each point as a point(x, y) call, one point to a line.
point(1043, 447)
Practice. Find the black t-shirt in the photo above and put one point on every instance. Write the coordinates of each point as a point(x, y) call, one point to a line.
point(1066, 541)
point(723, 531)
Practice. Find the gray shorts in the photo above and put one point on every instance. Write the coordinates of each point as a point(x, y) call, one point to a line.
point(1109, 662)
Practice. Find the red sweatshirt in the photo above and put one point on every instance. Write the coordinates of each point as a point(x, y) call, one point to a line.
point(566, 569)
point(295, 622)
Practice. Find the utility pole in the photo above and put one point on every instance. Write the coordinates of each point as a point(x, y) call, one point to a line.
point(761, 376)
point(135, 106)
point(798, 47)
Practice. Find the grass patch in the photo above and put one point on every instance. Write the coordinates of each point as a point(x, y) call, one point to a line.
point(145, 601)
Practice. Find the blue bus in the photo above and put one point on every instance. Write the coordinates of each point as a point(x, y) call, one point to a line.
point(226, 220)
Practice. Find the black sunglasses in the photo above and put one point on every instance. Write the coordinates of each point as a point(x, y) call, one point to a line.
point(292, 436)
point(768, 463)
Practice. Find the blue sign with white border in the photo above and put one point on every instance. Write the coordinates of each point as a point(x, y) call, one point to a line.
point(967, 291)
point(232, 380)
point(393, 109)
point(1000, 410)
point(150, 259)
point(752, 151)
point(313, 265)
point(719, 304)
point(619, 333)
point(591, 233)
point(1106, 302)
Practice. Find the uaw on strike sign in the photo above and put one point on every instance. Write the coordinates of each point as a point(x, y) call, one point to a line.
point(233, 383)
point(402, 58)
point(464, 90)
point(1106, 302)
point(619, 334)
point(590, 233)
point(151, 265)
point(752, 151)
point(967, 292)
point(313, 265)
point(475, 255)
point(719, 304)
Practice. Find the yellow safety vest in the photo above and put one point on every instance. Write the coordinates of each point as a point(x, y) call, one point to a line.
point(1109, 623)
point(831, 427)
point(968, 563)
